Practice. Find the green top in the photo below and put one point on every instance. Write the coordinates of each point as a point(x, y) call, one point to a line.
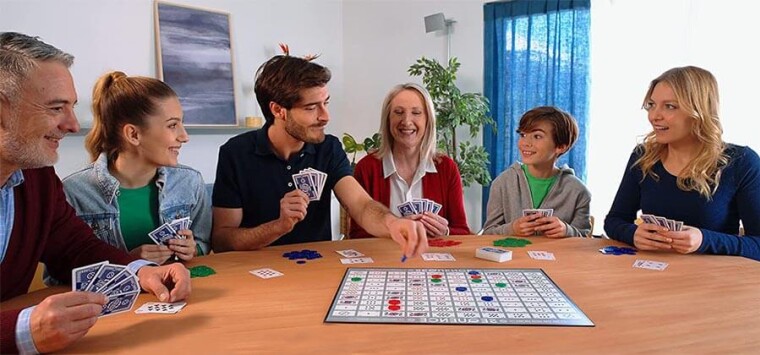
point(138, 214)
point(539, 188)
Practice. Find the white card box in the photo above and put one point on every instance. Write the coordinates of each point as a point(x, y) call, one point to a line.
point(493, 254)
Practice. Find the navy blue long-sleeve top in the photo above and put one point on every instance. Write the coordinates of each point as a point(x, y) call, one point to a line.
point(737, 198)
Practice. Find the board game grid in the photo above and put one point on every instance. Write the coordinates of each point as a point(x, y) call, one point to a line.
point(453, 296)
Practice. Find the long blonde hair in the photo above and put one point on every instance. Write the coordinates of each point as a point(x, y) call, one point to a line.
point(429, 141)
point(696, 92)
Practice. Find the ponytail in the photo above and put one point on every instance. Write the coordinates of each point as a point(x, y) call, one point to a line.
point(117, 100)
point(97, 140)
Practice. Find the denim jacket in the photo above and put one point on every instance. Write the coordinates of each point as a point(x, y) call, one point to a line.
point(92, 192)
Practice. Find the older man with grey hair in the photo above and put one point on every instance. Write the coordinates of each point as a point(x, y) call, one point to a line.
point(37, 99)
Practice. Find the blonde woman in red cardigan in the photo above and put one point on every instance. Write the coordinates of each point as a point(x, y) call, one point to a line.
point(406, 166)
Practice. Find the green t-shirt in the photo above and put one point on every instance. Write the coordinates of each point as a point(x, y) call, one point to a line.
point(138, 214)
point(539, 188)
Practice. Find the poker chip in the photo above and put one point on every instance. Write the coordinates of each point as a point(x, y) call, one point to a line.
point(201, 271)
point(511, 242)
point(614, 250)
point(302, 255)
point(441, 242)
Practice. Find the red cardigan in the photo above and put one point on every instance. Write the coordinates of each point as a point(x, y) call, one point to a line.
point(46, 229)
point(444, 187)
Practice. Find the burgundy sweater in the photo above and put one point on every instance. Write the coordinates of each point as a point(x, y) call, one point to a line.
point(444, 187)
point(45, 229)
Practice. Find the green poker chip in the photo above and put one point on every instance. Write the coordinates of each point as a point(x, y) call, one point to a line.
point(511, 242)
point(201, 271)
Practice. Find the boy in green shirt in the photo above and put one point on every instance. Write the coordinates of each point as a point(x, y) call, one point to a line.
point(545, 134)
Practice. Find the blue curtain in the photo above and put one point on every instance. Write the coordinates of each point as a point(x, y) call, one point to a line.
point(536, 54)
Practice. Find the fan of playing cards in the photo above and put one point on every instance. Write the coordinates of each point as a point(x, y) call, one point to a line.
point(545, 212)
point(310, 181)
point(418, 206)
point(166, 231)
point(118, 283)
point(670, 224)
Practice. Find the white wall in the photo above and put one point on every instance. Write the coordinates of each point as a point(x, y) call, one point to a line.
point(634, 41)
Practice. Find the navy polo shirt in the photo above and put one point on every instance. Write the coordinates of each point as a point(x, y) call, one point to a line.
point(250, 176)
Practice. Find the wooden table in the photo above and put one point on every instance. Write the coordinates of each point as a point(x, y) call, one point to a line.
point(698, 304)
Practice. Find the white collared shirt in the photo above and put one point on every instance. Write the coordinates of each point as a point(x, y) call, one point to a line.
point(401, 191)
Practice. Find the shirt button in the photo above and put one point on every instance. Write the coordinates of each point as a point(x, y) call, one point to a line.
point(287, 167)
point(290, 184)
point(301, 155)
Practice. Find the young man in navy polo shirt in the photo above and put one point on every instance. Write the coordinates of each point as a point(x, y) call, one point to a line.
point(255, 201)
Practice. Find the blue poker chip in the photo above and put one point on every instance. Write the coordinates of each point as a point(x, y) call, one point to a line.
point(613, 250)
point(461, 289)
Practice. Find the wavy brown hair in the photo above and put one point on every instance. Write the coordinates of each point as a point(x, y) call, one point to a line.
point(696, 92)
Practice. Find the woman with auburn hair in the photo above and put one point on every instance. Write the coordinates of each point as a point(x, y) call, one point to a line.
point(134, 183)
point(685, 172)
point(406, 170)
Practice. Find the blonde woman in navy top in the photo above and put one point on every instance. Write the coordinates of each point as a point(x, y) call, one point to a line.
point(685, 171)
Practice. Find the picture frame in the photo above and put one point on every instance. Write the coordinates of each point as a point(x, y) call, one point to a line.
point(194, 57)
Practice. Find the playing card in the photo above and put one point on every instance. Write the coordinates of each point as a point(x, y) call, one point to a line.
point(129, 284)
point(161, 307)
point(406, 209)
point(266, 273)
point(661, 221)
point(180, 224)
point(304, 183)
point(418, 206)
point(349, 253)
point(82, 276)
point(650, 265)
point(118, 279)
point(437, 257)
point(530, 211)
point(436, 207)
point(541, 255)
point(648, 218)
point(162, 234)
point(106, 273)
point(357, 261)
point(679, 225)
point(119, 303)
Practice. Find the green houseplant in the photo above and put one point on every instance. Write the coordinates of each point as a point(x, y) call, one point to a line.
point(454, 109)
point(350, 145)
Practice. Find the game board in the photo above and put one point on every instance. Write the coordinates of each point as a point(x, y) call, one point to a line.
point(453, 296)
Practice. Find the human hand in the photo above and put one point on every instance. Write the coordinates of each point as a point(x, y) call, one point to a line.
point(435, 225)
point(410, 235)
point(551, 227)
point(170, 283)
point(525, 225)
point(183, 247)
point(651, 237)
point(60, 320)
point(293, 209)
point(687, 240)
point(152, 252)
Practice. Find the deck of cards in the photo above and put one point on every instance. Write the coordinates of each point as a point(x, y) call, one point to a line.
point(311, 182)
point(168, 230)
point(418, 206)
point(118, 283)
point(493, 254)
point(545, 212)
point(670, 224)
